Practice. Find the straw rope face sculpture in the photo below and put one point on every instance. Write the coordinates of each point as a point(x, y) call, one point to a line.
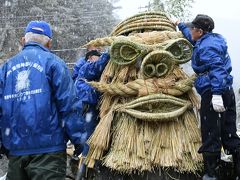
point(147, 118)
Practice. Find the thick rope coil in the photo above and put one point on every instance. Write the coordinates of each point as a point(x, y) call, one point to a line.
point(145, 25)
point(141, 19)
point(99, 42)
point(150, 38)
point(155, 37)
point(146, 16)
point(150, 27)
point(142, 87)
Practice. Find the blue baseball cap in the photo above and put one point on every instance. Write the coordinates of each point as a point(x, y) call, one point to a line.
point(39, 27)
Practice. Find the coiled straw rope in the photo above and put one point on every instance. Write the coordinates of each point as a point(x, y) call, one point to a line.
point(152, 37)
point(131, 24)
point(142, 87)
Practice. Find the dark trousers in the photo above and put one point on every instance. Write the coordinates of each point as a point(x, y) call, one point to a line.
point(49, 166)
point(218, 129)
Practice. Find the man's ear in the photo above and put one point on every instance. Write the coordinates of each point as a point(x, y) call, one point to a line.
point(201, 32)
point(22, 41)
point(49, 44)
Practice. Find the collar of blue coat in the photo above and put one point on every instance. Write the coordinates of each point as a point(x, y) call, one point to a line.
point(202, 38)
point(205, 36)
point(35, 44)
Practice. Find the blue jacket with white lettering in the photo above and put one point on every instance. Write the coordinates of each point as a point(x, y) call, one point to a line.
point(210, 61)
point(38, 108)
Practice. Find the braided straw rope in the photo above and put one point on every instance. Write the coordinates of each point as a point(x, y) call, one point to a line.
point(142, 21)
point(106, 41)
point(155, 37)
point(151, 38)
point(142, 87)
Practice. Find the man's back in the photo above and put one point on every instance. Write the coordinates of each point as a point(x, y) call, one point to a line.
point(38, 109)
point(30, 119)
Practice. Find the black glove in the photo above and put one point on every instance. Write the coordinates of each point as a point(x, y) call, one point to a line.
point(78, 150)
point(74, 161)
point(3, 151)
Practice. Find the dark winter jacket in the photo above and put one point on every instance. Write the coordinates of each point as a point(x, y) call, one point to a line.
point(90, 71)
point(210, 61)
point(77, 66)
point(88, 95)
point(38, 100)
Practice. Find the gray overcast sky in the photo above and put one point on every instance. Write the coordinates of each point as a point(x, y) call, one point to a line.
point(226, 15)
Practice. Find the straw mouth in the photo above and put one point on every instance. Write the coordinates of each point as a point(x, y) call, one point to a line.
point(156, 107)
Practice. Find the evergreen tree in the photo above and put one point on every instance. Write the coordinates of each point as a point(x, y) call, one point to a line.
point(74, 22)
point(177, 8)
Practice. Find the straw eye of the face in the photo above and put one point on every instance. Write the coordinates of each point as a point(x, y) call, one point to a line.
point(180, 49)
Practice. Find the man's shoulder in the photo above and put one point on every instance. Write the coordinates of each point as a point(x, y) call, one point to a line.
point(56, 61)
point(213, 37)
point(213, 41)
point(56, 58)
point(11, 59)
point(81, 60)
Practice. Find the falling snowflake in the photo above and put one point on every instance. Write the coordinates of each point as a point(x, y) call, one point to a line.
point(89, 117)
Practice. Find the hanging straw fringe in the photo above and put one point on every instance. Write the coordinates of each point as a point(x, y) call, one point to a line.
point(134, 149)
point(99, 141)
